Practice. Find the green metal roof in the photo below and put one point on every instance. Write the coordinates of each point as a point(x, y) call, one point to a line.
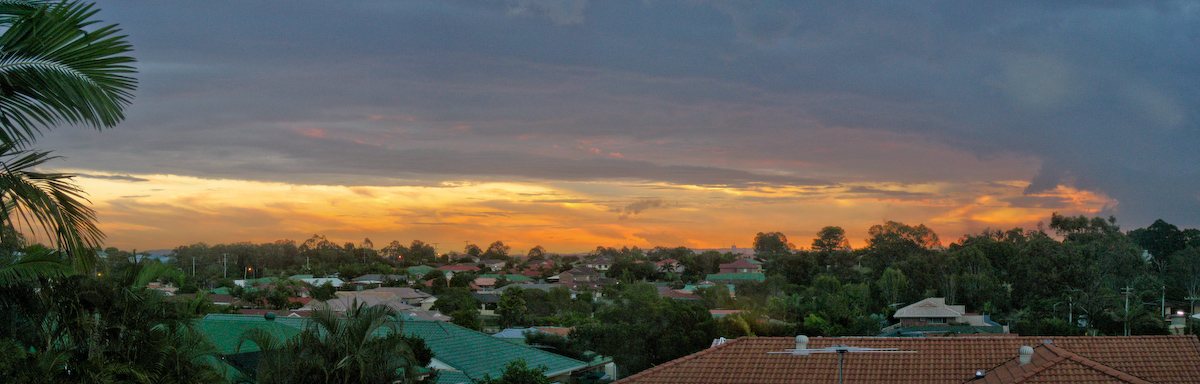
point(419, 269)
point(512, 277)
point(473, 354)
point(736, 276)
point(224, 331)
point(453, 377)
point(476, 354)
point(219, 291)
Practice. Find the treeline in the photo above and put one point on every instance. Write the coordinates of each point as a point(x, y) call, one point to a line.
point(1073, 278)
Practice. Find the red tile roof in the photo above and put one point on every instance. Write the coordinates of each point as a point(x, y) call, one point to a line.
point(1157, 359)
point(1051, 364)
point(740, 263)
point(458, 268)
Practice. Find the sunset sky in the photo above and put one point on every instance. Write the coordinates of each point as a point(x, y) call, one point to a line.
point(573, 124)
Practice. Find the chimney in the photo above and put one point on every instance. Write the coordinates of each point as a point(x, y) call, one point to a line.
point(1026, 354)
point(801, 345)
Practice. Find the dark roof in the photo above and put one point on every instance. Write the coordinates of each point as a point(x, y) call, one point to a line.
point(1157, 359)
point(582, 271)
point(741, 263)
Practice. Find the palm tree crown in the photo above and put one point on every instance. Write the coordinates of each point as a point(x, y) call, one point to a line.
point(53, 70)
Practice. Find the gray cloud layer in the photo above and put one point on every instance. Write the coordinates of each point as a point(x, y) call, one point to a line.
point(687, 92)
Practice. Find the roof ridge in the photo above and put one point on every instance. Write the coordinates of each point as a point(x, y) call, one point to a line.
point(1030, 374)
point(680, 360)
point(1098, 366)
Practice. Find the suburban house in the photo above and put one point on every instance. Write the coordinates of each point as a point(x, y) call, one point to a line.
point(984, 359)
point(450, 270)
point(493, 264)
point(345, 302)
point(419, 270)
point(377, 279)
point(319, 281)
point(578, 275)
point(600, 264)
point(741, 266)
point(933, 312)
point(404, 294)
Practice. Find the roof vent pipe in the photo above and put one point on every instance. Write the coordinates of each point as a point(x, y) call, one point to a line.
point(1026, 354)
point(801, 345)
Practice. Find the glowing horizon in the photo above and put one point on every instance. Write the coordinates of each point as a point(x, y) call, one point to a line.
point(166, 211)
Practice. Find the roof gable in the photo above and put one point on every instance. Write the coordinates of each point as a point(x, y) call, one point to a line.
point(930, 307)
point(740, 263)
point(1050, 364)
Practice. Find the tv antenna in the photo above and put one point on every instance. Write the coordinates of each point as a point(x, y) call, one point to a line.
point(840, 349)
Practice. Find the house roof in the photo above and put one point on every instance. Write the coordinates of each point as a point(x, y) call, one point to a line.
point(402, 293)
point(1051, 364)
point(930, 307)
point(544, 287)
point(736, 276)
point(458, 267)
point(485, 281)
point(511, 277)
point(741, 263)
point(476, 354)
point(582, 271)
point(419, 269)
point(378, 277)
point(1158, 359)
point(225, 331)
point(409, 312)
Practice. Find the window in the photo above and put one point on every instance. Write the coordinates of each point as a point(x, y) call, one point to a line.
point(937, 320)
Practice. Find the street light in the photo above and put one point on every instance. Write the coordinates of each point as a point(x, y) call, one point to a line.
point(246, 273)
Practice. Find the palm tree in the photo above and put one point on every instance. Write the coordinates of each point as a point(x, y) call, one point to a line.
point(365, 346)
point(35, 200)
point(55, 68)
point(54, 71)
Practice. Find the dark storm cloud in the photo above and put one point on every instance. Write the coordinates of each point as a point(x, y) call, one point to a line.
point(1101, 94)
point(641, 206)
point(112, 177)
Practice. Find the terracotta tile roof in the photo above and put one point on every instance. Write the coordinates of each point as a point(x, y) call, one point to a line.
point(458, 267)
point(741, 263)
point(1051, 364)
point(1157, 359)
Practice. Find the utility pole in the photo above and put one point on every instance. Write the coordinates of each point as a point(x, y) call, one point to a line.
point(1192, 305)
point(225, 263)
point(1127, 290)
point(193, 265)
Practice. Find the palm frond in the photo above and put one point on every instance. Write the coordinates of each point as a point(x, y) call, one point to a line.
point(47, 203)
point(52, 70)
point(35, 264)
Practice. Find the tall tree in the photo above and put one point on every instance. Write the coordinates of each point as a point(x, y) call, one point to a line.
point(497, 251)
point(831, 239)
point(771, 244)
